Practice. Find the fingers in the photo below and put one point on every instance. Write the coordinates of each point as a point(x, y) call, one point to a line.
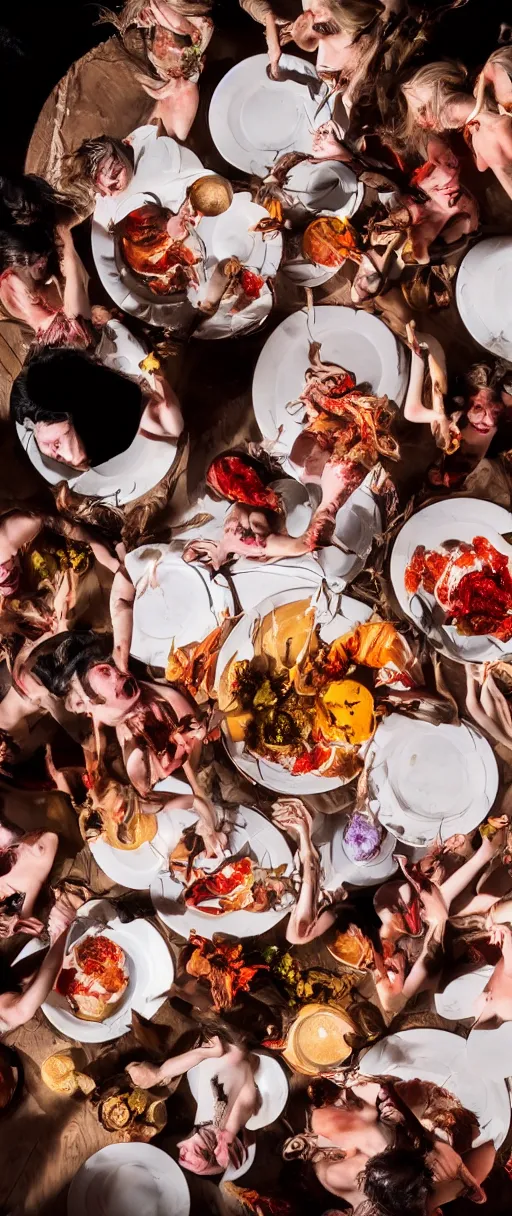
point(31, 926)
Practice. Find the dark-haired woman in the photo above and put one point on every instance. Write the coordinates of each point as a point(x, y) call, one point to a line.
point(360, 1151)
point(45, 289)
point(479, 422)
point(84, 414)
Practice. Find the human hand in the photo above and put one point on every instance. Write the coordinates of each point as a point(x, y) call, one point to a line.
point(294, 817)
point(214, 1049)
point(444, 1162)
point(31, 926)
point(145, 1075)
point(59, 920)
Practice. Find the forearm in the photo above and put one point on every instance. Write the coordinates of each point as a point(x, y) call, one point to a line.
point(76, 295)
point(176, 1065)
point(17, 1009)
point(414, 409)
point(121, 611)
point(461, 878)
point(428, 964)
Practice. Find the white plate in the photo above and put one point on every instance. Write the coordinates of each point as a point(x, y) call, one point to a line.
point(135, 869)
point(355, 340)
point(490, 1051)
point(334, 624)
point(150, 968)
point(483, 294)
point(457, 999)
point(429, 780)
point(233, 237)
point(458, 519)
point(339, 868)
point(441, 1057)
point(176, 602)
point(87, 1187)
point(326, 187)
point(253, 119)
point(268, 846)
point(271, 1082)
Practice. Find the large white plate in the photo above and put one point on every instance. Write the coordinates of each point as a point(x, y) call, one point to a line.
point(268, 846)
point(457, 519)
point(87, 1187)
point(151, 972)
point(441, 1057)
point(457, 999)
point(429, 780)
point(354, 339)
point(490, 1051)
point(176, 602)
point(483, 294)
point(334, 624)
point(136, 868)
point(253, 119)
point(271, 1082)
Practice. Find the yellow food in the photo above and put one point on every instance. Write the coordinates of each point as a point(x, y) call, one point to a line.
point(320, 1039)
point(286, 633)
point(139, 829)
point(237, 725)
point(58, 1073)
point(353, 948)
point(345, 713)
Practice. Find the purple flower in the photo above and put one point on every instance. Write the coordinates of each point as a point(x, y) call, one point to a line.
point(362, 838)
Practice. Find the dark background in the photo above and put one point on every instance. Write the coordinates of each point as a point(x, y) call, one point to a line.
point(40, 39)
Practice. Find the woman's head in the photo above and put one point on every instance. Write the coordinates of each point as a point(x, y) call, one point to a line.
point(28, 248)
point(82, 413)
point(85, 659)
point(27, 199)
point(398, 1181)
point(107, 164)
point(431, 95)
point(209, 1150)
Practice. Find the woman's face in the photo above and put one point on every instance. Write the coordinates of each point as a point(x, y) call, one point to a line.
point(113, 175)
point(326, 146)
point(59, 441)
point(113, 687)
point(191, 1156)
point(484, 411)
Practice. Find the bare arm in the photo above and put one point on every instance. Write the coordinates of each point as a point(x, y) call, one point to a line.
point(76, 295)
point(147, 1074)
point(122, 596)
point(18, 1008)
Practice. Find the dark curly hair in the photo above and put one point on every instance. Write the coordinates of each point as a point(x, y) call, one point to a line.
point(398, 1181)
point(74, 654)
